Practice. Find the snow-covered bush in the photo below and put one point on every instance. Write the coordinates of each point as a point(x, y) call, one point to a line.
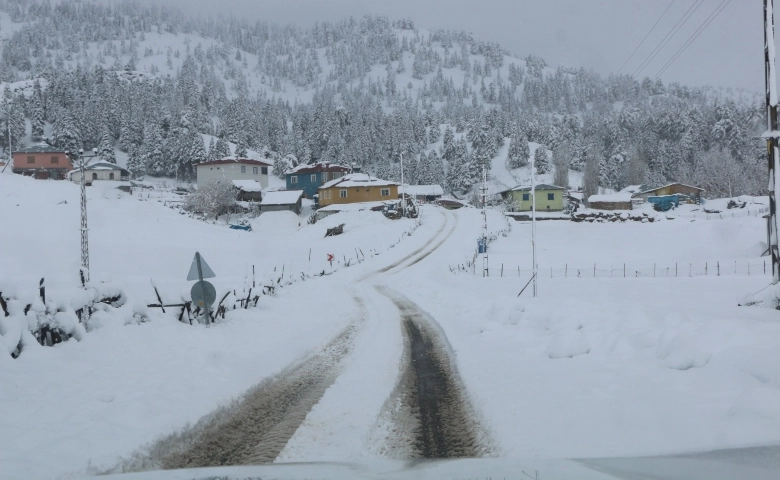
point(213, 199)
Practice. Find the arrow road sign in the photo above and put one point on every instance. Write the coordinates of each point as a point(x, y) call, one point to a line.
point(206, 270)
point(203, 294)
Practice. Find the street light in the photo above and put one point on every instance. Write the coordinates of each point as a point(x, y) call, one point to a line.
point(82, 160)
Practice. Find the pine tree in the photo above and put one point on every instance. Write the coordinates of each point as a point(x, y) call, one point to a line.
point(37, 113)
point(241, 151)
point(106, 146)
point(135, 163)
point(518, 151)
point(541, 160)
point(212, 153)
point(222, 149)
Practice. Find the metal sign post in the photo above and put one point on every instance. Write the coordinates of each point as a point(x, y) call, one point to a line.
point(203, 293)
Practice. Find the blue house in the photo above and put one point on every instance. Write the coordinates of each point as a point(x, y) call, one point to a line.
point(310, 177)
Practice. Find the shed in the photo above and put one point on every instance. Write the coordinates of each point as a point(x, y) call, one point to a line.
point(613, 201)
point(284, 200)
point(97, 170)
point(423, 193)
point(248, 190)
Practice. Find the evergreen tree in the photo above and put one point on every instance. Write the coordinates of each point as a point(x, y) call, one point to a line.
point(135, 163)
point(37, 114)
point(241, 151)
point(541, 160)
point(106, 146)
point(518, 151)
point(222, 149)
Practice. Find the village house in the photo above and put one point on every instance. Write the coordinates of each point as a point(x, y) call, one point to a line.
point(356, 188)
point(549, 198)
point(42, 162)
point(232, 168)
point(98, 169)
point(289, 200)
point(687, 193)
point(310, 177)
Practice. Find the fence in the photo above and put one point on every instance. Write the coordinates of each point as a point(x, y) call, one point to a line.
point(665, 270)
point(731, 213)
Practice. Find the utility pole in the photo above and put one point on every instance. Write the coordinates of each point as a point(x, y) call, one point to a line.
point(10, 154)
point(533, 220)
point(403, 189)
point(772, 133)
point(483, 189)
point(82, 164)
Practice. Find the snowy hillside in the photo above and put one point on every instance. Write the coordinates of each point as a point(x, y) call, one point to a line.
point(140, 83)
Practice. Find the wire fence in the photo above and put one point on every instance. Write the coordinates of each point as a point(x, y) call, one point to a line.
point(656, 270)
point(731, 213)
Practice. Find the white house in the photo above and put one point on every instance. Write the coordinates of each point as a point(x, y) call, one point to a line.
point(232, 168)
point(99, 170)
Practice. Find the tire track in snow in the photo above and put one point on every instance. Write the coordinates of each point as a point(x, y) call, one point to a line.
point(254, 429)
point(431, 412)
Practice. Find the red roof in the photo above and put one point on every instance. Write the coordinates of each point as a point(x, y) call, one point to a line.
point(247, 161)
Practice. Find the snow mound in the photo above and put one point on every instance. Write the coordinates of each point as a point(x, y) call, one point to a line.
point(283, 221)
point(567, 344)
point(762, 402)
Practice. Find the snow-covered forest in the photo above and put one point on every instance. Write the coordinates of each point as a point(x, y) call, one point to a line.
point(153, 82)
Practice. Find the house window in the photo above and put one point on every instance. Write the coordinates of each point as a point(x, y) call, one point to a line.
point(243, 169)
point(55, 160)
point(385, 192)
point(30, 159)
point(526, 197)
point(94, 176)
point(254, 170)
point(324, 176)
point(314, 178)
point(264, 170)
point(293, 179)
point(550, 196)
point(343, 193)
point(111, 176)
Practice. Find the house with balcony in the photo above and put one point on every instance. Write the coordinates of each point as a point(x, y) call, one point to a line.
point(309, 178)
point(357, 188)
point(232, 168)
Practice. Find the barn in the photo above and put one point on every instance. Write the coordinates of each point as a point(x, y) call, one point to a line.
point(285, 200)
point(614, 201)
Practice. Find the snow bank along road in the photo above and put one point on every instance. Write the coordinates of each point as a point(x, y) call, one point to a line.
point(428, 414)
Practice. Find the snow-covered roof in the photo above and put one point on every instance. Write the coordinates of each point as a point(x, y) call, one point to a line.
point(238, 161)
point(611, 197)
point(634, 189)
point(102, 165)
point(282, 197)
point(419, 190)
point(668, 185)
point(527, 188)
point(247, 185)
point(40, 148)
point(357, 180)
point(318, 167)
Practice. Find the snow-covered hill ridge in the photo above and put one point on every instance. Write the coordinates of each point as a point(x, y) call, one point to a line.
point(354, 92)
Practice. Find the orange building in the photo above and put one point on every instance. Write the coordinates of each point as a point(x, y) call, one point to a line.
point(356, 188)
point(42, 162)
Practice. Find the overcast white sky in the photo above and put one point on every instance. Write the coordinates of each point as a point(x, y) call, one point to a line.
point(597, 34)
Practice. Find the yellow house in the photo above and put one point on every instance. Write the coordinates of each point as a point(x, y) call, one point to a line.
point(549, 198)
point(356, 188)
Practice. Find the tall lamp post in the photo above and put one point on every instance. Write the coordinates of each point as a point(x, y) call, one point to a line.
point(81, 161)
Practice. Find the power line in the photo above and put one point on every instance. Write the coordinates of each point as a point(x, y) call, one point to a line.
point(648, 34)
point(694, 36)
point(676, 28)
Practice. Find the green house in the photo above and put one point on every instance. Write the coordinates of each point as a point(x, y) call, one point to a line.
point(549, 198)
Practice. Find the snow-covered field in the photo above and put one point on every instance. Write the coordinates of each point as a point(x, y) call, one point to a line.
point(592, 367)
